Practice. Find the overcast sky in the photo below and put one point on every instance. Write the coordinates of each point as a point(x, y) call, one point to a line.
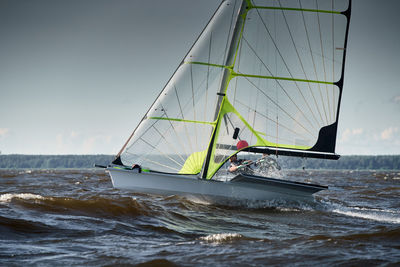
point(77, 76)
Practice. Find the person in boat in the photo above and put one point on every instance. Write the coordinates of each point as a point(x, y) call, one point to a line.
point(267, 163)
point(137, 168)
point(238, 165)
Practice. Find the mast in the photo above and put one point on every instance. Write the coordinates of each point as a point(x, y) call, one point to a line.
point(225, 80)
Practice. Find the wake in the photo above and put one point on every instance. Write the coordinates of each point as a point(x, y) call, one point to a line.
point(373, 214)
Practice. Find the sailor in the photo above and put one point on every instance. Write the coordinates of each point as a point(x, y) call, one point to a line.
point(137, 168)
point(267, 163)
point(236, 165)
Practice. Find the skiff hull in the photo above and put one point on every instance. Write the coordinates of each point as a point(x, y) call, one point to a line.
point(242, 187)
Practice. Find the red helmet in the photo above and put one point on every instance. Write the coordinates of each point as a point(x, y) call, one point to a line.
point(242, 144)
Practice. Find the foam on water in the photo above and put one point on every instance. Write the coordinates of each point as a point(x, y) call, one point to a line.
point(221, 238)
point(8, 197)
point(283, 205)
point(370, 214)
point(25, 172)
point(374, 214)
point(52, 219)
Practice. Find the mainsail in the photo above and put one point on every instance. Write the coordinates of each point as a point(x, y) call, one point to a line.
point(268, 72)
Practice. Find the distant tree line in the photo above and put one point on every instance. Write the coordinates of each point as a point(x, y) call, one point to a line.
point(53, 161)
point(390, 162)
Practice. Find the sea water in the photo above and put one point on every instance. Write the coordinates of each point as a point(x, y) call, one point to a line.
point(76, 217)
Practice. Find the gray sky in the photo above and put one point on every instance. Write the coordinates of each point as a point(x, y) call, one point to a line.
point(77, 76)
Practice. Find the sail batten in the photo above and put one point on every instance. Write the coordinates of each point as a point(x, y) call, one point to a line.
point(296, 9)
point(260, 76)
point(268, 72)
point(281, 78)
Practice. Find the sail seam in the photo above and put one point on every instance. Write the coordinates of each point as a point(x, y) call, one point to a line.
point(183, 117)
point(278, 106)
point(280, 85)
point(161, 152)
point(173, 128)
point(280, 54)
point(168, 143)
point(274, 121)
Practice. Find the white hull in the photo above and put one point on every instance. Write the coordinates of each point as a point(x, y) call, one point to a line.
point(241, 187)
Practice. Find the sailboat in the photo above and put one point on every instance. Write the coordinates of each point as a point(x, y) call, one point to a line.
point(264, 73)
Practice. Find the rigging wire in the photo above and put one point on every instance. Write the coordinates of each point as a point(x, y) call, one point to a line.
point(313, 61)
point(280, 54)
point(280, 100)
point(194, 105)
point(278, 83)
point(238, 69)
point(276, 89)
point(274, 121)
point(161, 152)
point(333, 57)
point(169, 144)
point(183, 117)
point(208, 75)
point(278, 106)
point(162, 165)
point(302, 67)
point(323, 62)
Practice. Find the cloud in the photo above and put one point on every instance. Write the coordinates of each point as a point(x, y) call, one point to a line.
point(88, 145)
point(93, 143)
point(369, 141)
point(4, 132)
point(74, 134)
point(73, 142)
point(389, 133)
point(396, 99)
point(350, 133)
point(60, 142)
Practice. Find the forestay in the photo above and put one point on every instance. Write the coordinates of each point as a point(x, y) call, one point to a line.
point(268, 72)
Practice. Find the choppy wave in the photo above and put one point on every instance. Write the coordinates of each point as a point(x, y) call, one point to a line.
point(388, 234)
point(374, 214)
point(276, 205)
point(13, 226)
point(157, 262)
point(370, 214)
point(222, 238)
point(9, 196)
point(93, 206)
point(77, 218)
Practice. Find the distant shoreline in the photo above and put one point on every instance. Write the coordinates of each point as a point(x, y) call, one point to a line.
point(353, 162)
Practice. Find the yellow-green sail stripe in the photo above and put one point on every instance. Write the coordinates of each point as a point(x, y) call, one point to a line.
point(296, 9)
point(261, 142)
point(181, 120)
point(233, 73)
point(206, 64)
point(279, 78)
point(226, 107)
